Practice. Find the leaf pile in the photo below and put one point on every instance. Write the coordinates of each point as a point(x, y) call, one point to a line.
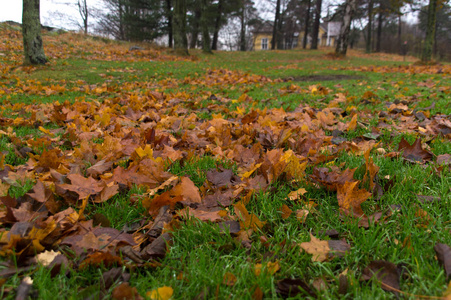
point(90, 151)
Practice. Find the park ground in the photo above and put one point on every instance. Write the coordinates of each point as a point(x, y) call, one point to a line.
point(134, 174)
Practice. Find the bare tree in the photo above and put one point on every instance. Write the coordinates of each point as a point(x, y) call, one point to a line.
point(343, 38)
point(84, 14)
point(179, 27)
point(31, 31)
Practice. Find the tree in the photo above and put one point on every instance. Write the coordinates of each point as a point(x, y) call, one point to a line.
point(369, 26)
point(276, 26)
point(31, 31)
point(426, 55)
point(204, 26)
point(168, 12)
point(306, 24)
point(179, 28)
point(218, 21)
point(316, 25)
point(343, 38)
point(84, 14)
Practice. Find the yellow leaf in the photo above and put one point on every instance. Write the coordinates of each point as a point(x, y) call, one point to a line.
point(249, 173)
point(46, 131)
point(163, 293)
point(318, 248)
point(295, 195)
point(353, 124)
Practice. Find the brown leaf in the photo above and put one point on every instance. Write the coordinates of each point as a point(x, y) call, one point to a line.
point(158, 248)
point(293, 287)
point(221, 179)
point(247, 220)
point(125, 292)
point(229, 279)
point(99, 259)
point(385, 272)
point(350, 197)
point(99, 168)
point(285, 211)
point(414, 152)
point(111, 276)
point(24, 288)
point(332, 180)
point(213, 216)
point(371, 170)
point(444, 159)
point(218, 199)
point(83, 187)
point(443, 252)
point(188, 191)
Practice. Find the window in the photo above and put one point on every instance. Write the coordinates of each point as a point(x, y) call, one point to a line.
point(265, 44)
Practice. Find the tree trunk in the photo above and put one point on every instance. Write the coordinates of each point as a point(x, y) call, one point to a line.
point(379, 30)
point(426, 55)
point(195, 32)
point(179, 28)
point(243, 27)
point(31, 31)
point(343, 38)
point(316, 25)
point(121, 21)
point(307, 22)
point(275, 26)
point(369, 27)
point(169, 16)
point(214, 45)
point(399, 33)
point(204, 25)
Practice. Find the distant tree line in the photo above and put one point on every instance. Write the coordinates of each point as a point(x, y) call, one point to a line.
point(197, 23)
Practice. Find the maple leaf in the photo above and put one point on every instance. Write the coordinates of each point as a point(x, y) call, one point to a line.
point(247, 220)
point(319, 249)
point(331, 179)
point(350, 197)
point(83, 187)
point(414, 152)
point(324, 250)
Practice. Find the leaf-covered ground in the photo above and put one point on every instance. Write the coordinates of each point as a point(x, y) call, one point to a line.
point(137, 174)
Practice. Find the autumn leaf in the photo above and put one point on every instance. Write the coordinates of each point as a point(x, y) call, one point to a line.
point(296, 195)
point(385, 272)
point(319, 249)
point(350, 197)
point(247, 220)
point(83, 187)
point(414, 152)
point(162, 293)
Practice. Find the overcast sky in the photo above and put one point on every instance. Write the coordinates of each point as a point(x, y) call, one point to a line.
point(58, 13)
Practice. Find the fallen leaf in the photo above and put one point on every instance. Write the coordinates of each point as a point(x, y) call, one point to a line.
point(293, 287)
point(125, 292)
point(414, 152)
point(384, 272)
point(162, 293)
point(229, 279)
point(319, 249)
point(350, 197)
point(296, 195)
point(443, 252)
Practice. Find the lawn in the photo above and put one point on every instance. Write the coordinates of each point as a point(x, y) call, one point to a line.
point(239, 175)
